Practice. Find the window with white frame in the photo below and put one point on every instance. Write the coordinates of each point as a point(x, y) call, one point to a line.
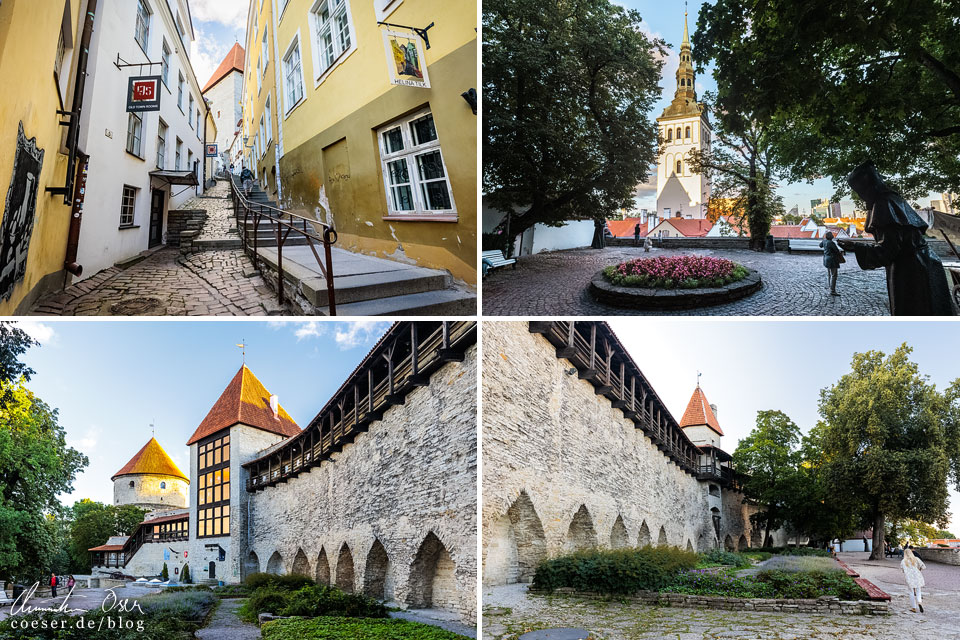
point(189, 160)
point(293, 75)
point(176, 166)
point(414, 174)
point(385, 7)
point(332, 32)
point(259, 76)
point(269, 120)
point(180, 92)
point(142, 34)
point(165, 64)
point(134, 132)
point(266, 51)
point(61, 52)
point(161, 144)
point(128, 203)
point(198, 124)
point(190, 112)
point(263, 133)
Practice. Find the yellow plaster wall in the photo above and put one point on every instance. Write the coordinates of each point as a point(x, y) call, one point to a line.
point(254, 102)
point(29, 32)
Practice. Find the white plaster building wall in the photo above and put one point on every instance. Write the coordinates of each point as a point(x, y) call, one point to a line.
point(147, 492)
point(225, 106)
point(572, 235)
point(686, 191)
point(552, 438)
point(409, 483)
point(104, 129)
point(702, 435)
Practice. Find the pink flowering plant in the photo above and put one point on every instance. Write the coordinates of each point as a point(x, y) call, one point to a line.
point(684, 272)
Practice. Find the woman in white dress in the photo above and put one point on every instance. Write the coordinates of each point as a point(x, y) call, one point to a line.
point(911, 566)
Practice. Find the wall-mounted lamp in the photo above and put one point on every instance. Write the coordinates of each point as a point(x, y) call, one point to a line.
point(571, 371)
point(470, 95)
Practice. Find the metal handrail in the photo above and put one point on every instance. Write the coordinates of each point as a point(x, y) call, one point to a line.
point(257, 209)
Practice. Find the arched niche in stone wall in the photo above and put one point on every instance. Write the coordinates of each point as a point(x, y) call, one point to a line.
point(662, 540)
point(618, 535)
point(275, 564)
point(581, 534)
point(742, 543)
point(345, 569)
point(377, 578)
point(689, 545)
point(433, 581)
point(643, 538)
point(323, 568)
point(252, 564)
point(515, 545)
point(728, 543)
point(301, 565)
point(756, 538)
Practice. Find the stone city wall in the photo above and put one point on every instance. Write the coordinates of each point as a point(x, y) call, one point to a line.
point(563, 470)
point(944, 556)
point(394, 515)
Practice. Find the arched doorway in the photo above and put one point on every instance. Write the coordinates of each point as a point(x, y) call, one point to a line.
point(433, 581)
point(581, 534)
point(376, 574)
point(345, 569)
point(618, 535)
point(275, 564)
point(323, 568)
point(301, 565)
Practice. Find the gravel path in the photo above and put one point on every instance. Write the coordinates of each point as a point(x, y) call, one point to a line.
point(437, 618)
point(226, 625)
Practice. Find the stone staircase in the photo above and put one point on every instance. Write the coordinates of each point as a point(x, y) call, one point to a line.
point(266, 230)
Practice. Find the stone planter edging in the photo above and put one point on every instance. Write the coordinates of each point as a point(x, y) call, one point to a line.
point(669, 299)
point(823, 604)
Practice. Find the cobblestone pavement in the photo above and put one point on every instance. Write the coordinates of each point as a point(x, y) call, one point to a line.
point(508, 611)
point(220, 223)
point(556, 283)
point(221, 282)
point(225, 624)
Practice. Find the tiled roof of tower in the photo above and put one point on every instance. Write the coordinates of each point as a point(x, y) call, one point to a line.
point(233, 61)
point(245, 400)
point(699, 412)
point(151, 459)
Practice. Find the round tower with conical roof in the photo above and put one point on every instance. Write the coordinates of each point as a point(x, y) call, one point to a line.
point(151, 480)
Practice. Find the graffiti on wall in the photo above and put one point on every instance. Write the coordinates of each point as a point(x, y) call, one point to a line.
point(18, 214)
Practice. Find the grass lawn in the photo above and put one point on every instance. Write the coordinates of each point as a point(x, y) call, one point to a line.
point(335, 628)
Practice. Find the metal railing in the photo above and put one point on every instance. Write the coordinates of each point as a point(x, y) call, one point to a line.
point(284, 223)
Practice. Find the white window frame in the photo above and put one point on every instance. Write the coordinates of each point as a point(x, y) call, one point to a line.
point(189, 113)
point(410, 153)
point(321, 69)
point(179, 156)
point(162, 131)
point(128, 206)
point(145, 44)
point(259, 76)
point(266, 108)
point(283, 9)
point(262, 135)
point(384, 8)
point(165, 54)
point(137, 135)
point(265, 51)
point(198, 124)
point(180, 91)
point(287, 106)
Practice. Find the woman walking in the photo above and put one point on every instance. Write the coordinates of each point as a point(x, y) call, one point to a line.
point(911, 566)
point(832, 257)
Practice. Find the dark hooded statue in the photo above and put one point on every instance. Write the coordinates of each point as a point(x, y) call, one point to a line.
point(916, 282)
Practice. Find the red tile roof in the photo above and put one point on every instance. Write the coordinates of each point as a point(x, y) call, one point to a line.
point(162, 519)
point(233, 62)
point(790, 231)
point(690, 228)
point(107, 547)
point(247, 401)
point(151, 459)
point(624, 228)
point(699, 413)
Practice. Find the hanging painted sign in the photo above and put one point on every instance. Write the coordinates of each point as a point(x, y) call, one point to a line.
point(143, 94)
point(212, 151)
point(406, 63)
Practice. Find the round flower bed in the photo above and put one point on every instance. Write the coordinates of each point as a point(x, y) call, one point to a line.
point(684, 272)
point(675, 282)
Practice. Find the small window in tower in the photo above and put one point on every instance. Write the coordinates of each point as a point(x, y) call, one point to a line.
point(679, 166)
point(163, 485)
point(679, 133)
point(131, 484)
point(686, 133)
point(669, 135)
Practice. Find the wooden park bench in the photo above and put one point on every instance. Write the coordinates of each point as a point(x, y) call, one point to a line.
point(494, 260)
point(803, 244)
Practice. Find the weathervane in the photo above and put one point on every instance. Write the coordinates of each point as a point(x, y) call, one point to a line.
point(153, 428)
point(698, 377)
point(243, 348)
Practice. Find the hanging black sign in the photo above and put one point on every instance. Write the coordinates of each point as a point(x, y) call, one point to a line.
point(143, 94)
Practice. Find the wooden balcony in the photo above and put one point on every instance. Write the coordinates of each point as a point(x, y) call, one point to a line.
point(600, 358)
point(401, 361)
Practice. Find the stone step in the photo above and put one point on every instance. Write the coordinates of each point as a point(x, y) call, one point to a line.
point(209, 244)
point(444, 302)
point(363, 287)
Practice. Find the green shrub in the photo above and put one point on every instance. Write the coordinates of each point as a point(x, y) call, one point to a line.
point(257, 580)
point(232, 591)
point(290, 582)
point(794, 551)
point(759, 556)
point(321, 600)
point(721, 557)
point(185, 576)
point(164, 573)
point(721, 583)
point(812, 584)
point(268, 598)
point(614, 570)
point(354, 629)
point(192, 587)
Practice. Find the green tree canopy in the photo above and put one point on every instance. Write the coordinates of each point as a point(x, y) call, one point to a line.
point(844, 80)
point(93, 523)
point(885, 441)
point(14, 342)
point(769, 458)
point(568, 89)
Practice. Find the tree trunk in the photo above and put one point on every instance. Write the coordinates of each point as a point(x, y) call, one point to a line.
point(878, 536)
point(766, 533)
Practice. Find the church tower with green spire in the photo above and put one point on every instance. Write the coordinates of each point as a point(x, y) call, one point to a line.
point(684, 126)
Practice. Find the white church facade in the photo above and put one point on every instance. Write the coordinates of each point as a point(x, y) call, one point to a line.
point(684, 127)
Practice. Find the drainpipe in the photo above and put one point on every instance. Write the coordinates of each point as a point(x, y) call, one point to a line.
point(76, 215)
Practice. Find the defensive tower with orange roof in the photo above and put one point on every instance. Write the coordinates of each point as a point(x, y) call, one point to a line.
point(151, 480)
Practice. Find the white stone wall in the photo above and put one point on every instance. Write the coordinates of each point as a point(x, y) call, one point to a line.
point(564, 470)
point(146, 491)
point(681, 193)
point(225, 106)
point(409, 484)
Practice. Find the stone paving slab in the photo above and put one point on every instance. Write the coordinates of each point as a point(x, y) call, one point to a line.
point(209, 283)
point(220, 223)
point(225, 624)
point(557, 283)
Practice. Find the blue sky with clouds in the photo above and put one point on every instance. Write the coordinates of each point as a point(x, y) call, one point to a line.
point(665, 20)
point(750, 366)
point(111, 380)
point(218, 25)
